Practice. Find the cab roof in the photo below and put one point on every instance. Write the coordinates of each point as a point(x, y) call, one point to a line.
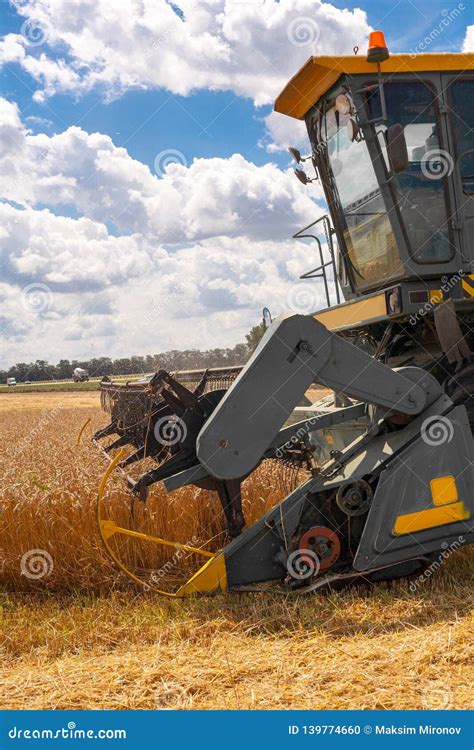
point(320, 73)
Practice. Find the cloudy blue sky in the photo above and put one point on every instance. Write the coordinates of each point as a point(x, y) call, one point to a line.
point(147, 198)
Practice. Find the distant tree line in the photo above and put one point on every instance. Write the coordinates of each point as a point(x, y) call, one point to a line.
point(190, 359)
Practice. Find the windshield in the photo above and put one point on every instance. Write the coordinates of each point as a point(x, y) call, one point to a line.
point(370, 243)
point(420, 189)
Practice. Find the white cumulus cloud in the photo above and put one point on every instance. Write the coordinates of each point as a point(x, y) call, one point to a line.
point(251, 48)
point(208, 197)
point(468, 45)
point(65, 253)
point(70, 289)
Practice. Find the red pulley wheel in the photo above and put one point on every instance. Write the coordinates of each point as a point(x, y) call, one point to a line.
point(324, 543)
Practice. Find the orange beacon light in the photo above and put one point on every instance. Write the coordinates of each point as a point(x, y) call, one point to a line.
point(377, 51)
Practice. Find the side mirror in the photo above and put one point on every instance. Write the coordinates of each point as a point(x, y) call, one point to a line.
point(397, 148)
point(267, 318)
point(295, 154)
point(302, 176)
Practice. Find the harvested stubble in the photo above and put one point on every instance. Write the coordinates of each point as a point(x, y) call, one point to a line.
point(384, 646)
point(381, 648)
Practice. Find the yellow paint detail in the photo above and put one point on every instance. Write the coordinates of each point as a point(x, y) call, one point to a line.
point(329, 439)
point(211, 577)
point(353, 312)
point(430, 518)
point(109, 528)
point(444, 490)
point(467, 287)
point(318, 74)
point(208, 579)
point(82, 430)
point(436, 296)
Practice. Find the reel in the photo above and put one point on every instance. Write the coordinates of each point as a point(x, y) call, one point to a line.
point(209, 577)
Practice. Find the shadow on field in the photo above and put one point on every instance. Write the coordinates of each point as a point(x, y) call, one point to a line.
point(129, 616)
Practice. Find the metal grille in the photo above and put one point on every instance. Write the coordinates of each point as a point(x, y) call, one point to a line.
point(130, 404)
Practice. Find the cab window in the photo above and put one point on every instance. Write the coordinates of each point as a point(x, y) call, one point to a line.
point(420, 191)
point(462, 119)
point(370, 244)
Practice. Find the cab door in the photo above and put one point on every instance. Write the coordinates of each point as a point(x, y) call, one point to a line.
point(458, 92)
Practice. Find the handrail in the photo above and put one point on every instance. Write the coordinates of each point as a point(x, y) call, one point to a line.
point(320, 271)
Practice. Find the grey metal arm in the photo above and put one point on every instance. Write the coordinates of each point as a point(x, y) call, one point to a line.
point(284, 437)
point(295, 351)
point(319, 422)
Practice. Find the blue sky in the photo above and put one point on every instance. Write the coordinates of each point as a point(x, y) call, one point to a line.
point(98, 96)
point(206, 123)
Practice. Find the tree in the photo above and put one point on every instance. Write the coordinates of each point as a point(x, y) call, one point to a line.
point(21, 371)
point(64, 369)
point(254, 336)
point(100, 366)
point(239, 355)
point(174, 360)
point(122, 366)
point(43, 371)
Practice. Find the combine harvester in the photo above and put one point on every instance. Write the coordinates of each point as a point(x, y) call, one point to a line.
point(391, 460)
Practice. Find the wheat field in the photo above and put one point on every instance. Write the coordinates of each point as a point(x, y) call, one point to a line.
point(48, 501)
point(76, 633)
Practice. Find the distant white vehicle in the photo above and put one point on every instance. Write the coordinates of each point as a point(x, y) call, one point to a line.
point(11, 381)
point(79, 375)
